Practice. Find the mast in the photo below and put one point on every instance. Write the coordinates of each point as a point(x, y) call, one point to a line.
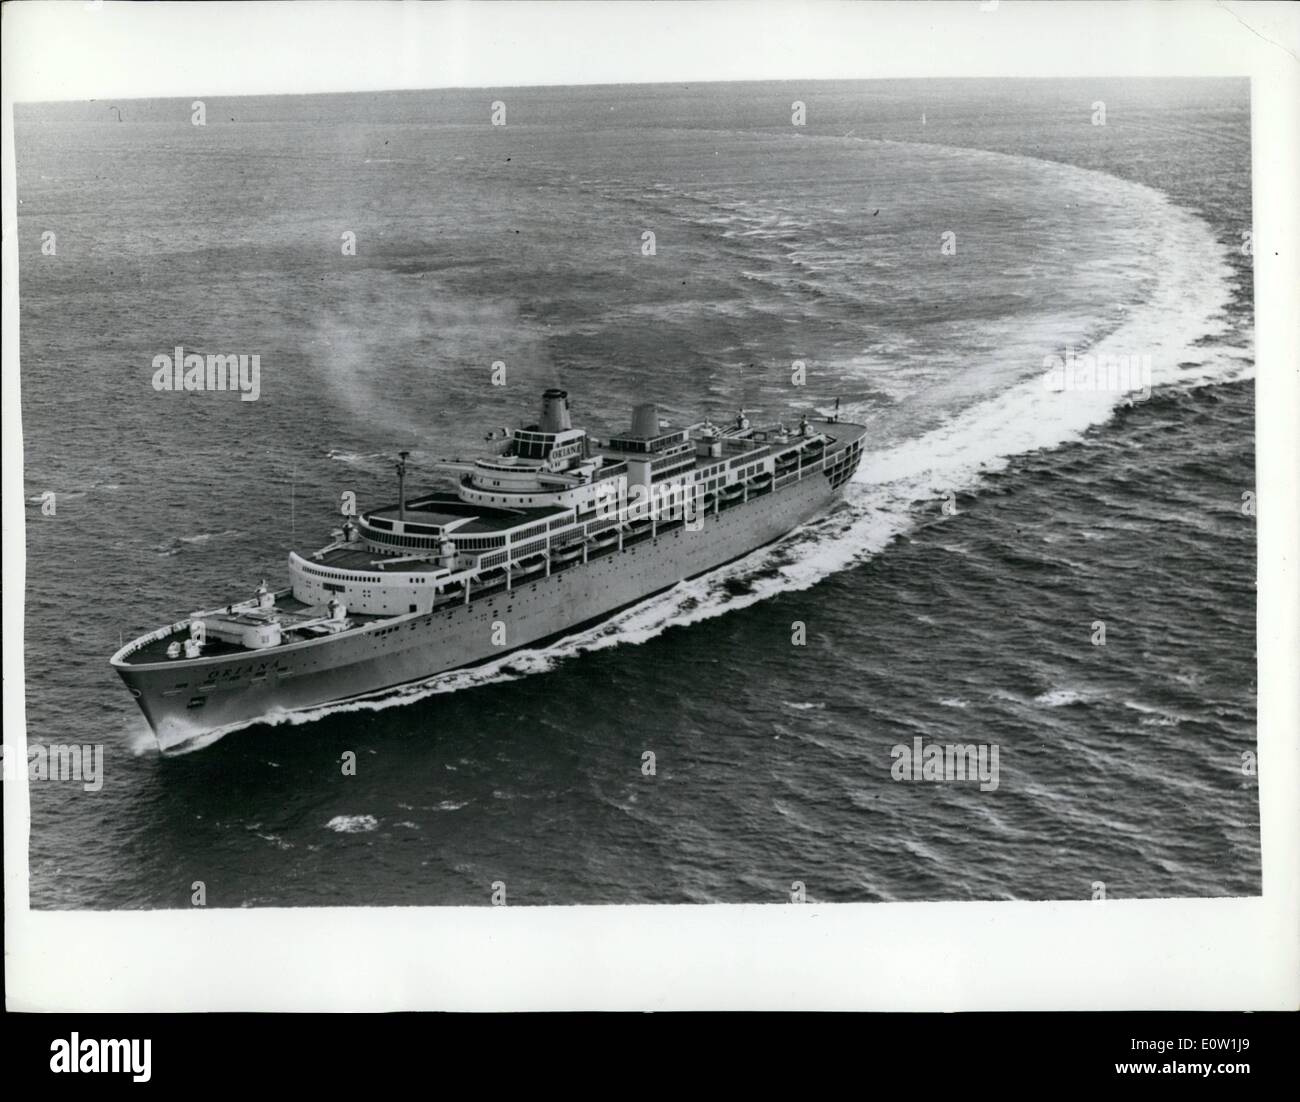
point(401, 485)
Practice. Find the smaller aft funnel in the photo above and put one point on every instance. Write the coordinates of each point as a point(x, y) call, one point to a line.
point(645, 420)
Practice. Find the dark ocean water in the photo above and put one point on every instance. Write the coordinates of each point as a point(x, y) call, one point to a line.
point(774, 243)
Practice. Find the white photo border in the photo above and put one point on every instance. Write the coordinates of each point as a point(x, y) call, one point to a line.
point(1221, 954)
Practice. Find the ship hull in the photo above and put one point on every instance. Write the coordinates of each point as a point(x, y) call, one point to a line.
point(266, 685)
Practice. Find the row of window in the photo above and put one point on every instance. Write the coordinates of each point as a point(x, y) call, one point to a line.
point(527, 549)
point(511, 500)
point(468, 543)
point(530, 450)
point(423, 543)
point(336, 574)
point(484, 543)
point(673, 459)
point(676, 467)
point(527, 533)
point(417, 543)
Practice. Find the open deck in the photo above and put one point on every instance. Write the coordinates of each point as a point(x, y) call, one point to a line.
point(444, 509)
point(345, 558)
point(290, 612)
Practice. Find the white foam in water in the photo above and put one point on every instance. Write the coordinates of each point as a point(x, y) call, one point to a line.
point(1059, 698)
point(352, 824)
point(1155, 717)
point(1189, 303)
point(374, 463)
point(140, 739)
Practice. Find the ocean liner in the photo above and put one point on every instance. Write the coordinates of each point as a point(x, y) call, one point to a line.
point(551, 531)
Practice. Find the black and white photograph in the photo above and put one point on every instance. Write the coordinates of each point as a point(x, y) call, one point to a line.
point(807, 489)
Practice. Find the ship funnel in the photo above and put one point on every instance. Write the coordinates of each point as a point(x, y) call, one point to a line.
point(555, 411)
point(645, 420)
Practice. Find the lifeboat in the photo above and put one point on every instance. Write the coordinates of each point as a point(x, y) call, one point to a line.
point(531, 564)
point(732, 492)
point(605, 538)
point(760, 480)
point(635, 527)
point(566, 554)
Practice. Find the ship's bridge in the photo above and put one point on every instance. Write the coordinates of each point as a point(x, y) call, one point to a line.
point(532, 454)
point(554, 450)
point(548, 457)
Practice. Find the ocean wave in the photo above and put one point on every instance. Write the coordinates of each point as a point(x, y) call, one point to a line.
point(73, 493)
point(1154, 717)
point(1060, 698)
point(352, 824)
point(177, 544)
point(372, 463)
